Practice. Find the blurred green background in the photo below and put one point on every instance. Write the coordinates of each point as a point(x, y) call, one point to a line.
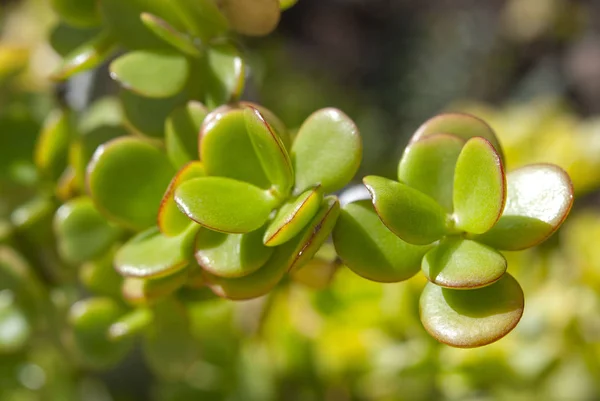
point(531, 68)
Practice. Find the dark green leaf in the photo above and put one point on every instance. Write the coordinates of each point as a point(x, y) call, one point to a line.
point(80, 13)
point(172, 36)
point(181, 132)
point(87, 56)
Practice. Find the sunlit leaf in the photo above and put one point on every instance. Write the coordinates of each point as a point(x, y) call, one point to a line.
point(411, 215)
point(181, 132)
point(51, 151)
point(479, 187)
point(223, 204)
point(127, 178)
point(225, 76)
point(202, 18)
point(87, 56)
point(472, 318)
point(539, 199)
point(256, 18)
point(131, 324)
point(327, 150)
point(169, 34)
point(370, 249)
point(428, 165)
point(146, 291)
point(463, 264)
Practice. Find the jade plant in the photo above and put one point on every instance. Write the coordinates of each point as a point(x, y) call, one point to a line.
point(450, 214)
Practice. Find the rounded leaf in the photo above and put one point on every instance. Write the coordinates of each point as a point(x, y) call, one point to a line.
point(231, 255)
point(226, 75)
point(226, 149)
point(428, 165)
point(201, 18)
point(223, 204)
point(479, 187)
point(52, 146)
point(472, 318)
point(171, 221)
point(370, 249)
point(169, 34)
point(82, 232)
point(86, 56)
point(152, 255)
point(256, 18)
point(146, 291)
point(148, 116)
point(181, 132)
point(540, 197)
point(462, 125)
point(292, 217)
point(90, 320)
point(65, 38)
point(271, 151)
point(100, 277)
point(127, 178)
point(79, 13)
point(327, 150)
point(411, 215)
point(130, 324)
point(463, 264)
point(150, 73)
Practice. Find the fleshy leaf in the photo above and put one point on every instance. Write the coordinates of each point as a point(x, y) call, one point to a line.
point(463, 264)
point(65, 38)
point(256, 18)
point(148, 116)
point(100, 277)
point(79, 13)
point(428, 165)
point(127, 178)
point(479, 187)
point(150, 73)
point(87, 56)
point(411, 215)
point(171, 221)
point(146, 291)
point(223, 204)
point(202, 18)
point(278, 126)
point(271, 151)
point(130, 324)
point(462, 125)
point(539, 199)
point(472, 318)
point(90, 320)
point(292, 217)
point(172, 36)
point(318, 272)
point(152, 255)
point(226, 149)
point(225, 78)
point(231, 255)
point(15, 329)
point(181, 132)
point(327, 150)
point(370, 249)
point(51, 151)
point(82, 232)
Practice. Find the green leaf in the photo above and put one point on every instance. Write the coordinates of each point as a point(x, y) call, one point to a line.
point(463, 264)
point(318, 272)
point(256, 18)
point(231, 255)
point(201, 17)
point(147, 291)
point(152, 255)
point(172, 36)
point(181, 132)
point(293, 216)
point(148, 116)
point(65, 38)
point(327, 150)
point(90, 320)
point(131, 324)
point(462, 125)
point(226, 74)
point(479, 187)
point(79, 13)
point(171, 221)
point(51, 151)
point(15, 330)
point(271, 151)
point(150, 73)
point(82, 232)
point(226, 149)
point(122, 18)
point(472, 318)
point(100, 277)
point(410, 214)
point(86, 57)
point(278, 126)
point(168, 345)
point(285, 4)
point(539, 199)
point(428, 165)
point(223, 204)
point(315, 233)
point(126, 179)
point(370, 249)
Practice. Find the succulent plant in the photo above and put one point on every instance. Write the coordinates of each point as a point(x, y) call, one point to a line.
point(451, 212)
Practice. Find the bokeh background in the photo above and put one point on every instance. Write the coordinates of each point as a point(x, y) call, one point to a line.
point(531, 68)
